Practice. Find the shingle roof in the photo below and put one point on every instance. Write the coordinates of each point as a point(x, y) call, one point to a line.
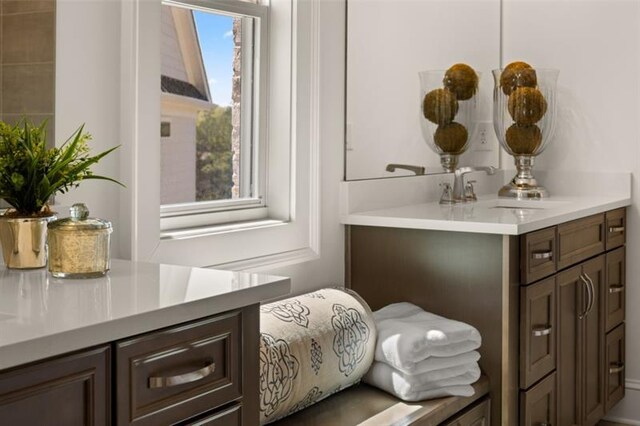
point(182, 88)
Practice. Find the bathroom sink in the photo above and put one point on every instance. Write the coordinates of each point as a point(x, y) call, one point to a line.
point(522, 204)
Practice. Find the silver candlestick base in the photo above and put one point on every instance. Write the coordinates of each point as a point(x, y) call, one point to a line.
point(523, 185)
point(449, 162)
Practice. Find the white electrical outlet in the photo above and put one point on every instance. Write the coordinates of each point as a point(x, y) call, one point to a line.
point(486, 137)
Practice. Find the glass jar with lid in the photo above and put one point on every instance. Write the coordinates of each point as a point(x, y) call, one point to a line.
point(79, 246)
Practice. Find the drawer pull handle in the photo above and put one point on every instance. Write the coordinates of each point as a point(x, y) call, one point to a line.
point(545, 424)
point(616, 367)
point(614, 229)
point(540, 331)
point(540, 255)
point(157, 382)
point(616, 289)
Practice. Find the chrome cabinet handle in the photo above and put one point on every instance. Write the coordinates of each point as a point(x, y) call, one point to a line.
point(156, 382)
point(592, 295)
point(588, 298)
point(616, 367)
point(614, 229)
point(616, 288)
point(541, 331)
point(544, 424)
point(540, 255)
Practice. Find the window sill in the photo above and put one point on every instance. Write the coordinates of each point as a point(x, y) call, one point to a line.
point(207, 231)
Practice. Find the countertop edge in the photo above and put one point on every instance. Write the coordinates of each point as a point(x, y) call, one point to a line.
point(369, 219)
point(41, 348)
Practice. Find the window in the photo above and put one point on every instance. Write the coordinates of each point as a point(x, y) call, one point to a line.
point(213, 144)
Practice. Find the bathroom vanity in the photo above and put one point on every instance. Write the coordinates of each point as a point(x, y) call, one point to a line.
point(133, 347)
point(543, 281)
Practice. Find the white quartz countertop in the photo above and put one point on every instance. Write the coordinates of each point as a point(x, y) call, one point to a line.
point(42, 316)
point(489, 215)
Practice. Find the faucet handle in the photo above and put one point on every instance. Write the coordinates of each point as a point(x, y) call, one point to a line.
point(469, 192)
point(447, 193)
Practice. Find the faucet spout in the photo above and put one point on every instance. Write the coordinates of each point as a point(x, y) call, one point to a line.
point(458, 192)
point(418, 170)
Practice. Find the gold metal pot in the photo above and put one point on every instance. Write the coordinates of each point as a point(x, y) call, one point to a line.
point(24, 241)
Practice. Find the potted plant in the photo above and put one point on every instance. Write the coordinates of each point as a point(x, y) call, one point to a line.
point(30, 174)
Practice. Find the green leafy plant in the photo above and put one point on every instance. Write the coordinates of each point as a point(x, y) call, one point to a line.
point(30, 173)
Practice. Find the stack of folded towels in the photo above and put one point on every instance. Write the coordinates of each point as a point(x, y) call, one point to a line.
point(421, 356)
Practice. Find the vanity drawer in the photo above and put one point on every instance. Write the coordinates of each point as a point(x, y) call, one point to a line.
point(616, 228)
point(537, 331)
point(614, 374)
point(229, 417)
point(478, 415)
point(538, 255)
point(580, 239)
point(538, 404)
point(615, 288)
point(178, 373)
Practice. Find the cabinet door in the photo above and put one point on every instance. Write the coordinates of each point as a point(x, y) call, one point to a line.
point(616, 288)
point(571, 302)
point(71, 390)
point(593, 342)
point(614, 367)
point(537, 331)
point(478, 415)
point(538, 404)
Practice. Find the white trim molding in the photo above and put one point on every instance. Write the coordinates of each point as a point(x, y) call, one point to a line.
point(294, 132)
point(628, 410)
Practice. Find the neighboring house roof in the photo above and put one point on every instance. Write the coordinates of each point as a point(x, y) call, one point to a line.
point(182, 88)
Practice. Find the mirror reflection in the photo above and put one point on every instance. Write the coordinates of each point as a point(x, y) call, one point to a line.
point(388, 45)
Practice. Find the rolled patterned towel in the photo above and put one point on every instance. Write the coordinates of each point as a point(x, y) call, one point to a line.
point(311, 346)
point(407, 386)
point(407, 335)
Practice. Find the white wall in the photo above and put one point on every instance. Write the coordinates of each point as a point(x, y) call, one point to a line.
point(596, 46)
point(88, 90)
point(389, 43)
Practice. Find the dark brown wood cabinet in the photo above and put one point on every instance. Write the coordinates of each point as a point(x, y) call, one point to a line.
point(477, 415)
point(547, 299)
point(203, 372)
point(70, 390)
point(587, 293)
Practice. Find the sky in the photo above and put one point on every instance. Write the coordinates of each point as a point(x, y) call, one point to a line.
point(216, 42)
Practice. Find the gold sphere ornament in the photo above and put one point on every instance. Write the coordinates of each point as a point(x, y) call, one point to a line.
point(440, 106)
point(517, 74)
point(523, 140)
point(527, 105)
point(462, 81)
point(451, 138)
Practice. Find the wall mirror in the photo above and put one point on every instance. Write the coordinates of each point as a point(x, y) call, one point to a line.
point(388, 44)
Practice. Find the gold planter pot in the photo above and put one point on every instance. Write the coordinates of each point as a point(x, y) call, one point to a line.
point(24, 241)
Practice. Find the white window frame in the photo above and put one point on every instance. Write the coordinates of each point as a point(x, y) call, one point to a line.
point(175, 218)
point(291, 233)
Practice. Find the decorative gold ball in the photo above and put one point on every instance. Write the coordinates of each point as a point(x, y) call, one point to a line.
point(451, 138)
point(440, 106)
point(462, 80)
point(527, 105)
point(517, 74)
point(523, 139)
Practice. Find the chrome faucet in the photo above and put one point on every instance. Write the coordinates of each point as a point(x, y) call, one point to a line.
point(418, 170)
point(462, 193)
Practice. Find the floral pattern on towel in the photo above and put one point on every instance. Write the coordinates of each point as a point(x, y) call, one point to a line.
point(278, 369)
point(350, 340)
point(289, 311)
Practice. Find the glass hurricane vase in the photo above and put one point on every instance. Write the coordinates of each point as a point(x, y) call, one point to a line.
point(524, 119)
point(448, 117)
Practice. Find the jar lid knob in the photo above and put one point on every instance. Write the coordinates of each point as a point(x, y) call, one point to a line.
point(79, 211)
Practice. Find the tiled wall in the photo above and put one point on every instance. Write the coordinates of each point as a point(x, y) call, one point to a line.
point(27, 58)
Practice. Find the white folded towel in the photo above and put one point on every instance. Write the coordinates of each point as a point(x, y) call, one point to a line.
point(437, 363)
point(394, 382)
point(407, 335)
point(403, 383)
